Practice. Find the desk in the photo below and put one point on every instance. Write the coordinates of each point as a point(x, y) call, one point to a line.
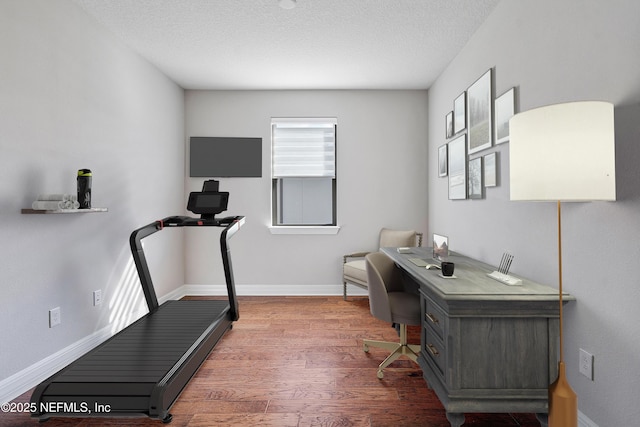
point(485, 346)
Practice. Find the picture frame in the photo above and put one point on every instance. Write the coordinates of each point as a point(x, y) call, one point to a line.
point(504, 109)
point(490, 170)
point(449, 125)
point(479, 113)
point(442, 160)
point(475, 178)
point(460, 113)
point(440, 247)
point(457, 168)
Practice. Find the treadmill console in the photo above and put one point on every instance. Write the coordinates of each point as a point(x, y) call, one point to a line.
point(209, 201)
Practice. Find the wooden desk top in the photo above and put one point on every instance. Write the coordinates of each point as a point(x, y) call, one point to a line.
point(471, 281)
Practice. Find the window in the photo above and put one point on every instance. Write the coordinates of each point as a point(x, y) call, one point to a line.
point(304, 172)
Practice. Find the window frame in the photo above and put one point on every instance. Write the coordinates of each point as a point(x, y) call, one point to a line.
point(276, 226)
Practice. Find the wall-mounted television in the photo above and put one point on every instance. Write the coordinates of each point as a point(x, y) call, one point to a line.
point(225, 157)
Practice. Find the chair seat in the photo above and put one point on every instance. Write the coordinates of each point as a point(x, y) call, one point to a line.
point(405, 308)
point(356, 271)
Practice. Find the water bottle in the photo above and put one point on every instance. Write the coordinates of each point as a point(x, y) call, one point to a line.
point(84, 188)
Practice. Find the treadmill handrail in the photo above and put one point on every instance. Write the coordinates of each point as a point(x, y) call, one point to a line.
point(135, 241)
point(225, 236)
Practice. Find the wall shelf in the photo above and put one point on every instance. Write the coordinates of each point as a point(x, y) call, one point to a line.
point(64, 211)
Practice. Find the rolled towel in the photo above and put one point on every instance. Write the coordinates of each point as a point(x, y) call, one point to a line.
point(57, 197)
point(51, 197)
point(52, 205)
point(68, 204)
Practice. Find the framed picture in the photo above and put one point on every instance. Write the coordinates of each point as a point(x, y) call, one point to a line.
point(490, 168)
point(504, 110)
point(479, 113)
point(449, 124)
point(460, 113)
point(440, 247)
point(457, 165)
point(442, 160)
point(475, 178)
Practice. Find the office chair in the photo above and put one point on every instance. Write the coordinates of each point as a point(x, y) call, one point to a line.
point(353, 266)
point(389, 301)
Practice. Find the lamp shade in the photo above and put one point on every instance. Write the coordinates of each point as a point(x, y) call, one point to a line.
point(563, 152)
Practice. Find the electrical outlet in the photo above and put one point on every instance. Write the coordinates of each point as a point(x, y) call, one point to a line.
point(54, 317)
point(97, 297)
point(586, 364)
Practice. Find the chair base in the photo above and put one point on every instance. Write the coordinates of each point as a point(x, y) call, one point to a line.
point(397, 349)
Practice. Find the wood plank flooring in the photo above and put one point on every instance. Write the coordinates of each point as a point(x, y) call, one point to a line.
point(298, 362)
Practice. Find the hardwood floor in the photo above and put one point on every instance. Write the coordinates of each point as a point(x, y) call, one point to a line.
point(298, 361)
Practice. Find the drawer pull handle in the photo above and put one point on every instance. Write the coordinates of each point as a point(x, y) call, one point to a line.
point(433, 318)
point(433, 350)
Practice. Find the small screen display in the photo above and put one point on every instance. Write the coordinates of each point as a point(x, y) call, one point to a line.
point(208, 201)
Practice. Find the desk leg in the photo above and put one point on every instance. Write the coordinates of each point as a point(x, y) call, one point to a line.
point(544, 419)
point(456, 419)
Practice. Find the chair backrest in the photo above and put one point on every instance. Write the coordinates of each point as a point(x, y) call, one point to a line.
point(397, 238)
point(383, 276)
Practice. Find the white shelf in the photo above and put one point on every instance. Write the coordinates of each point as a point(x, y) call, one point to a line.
point(64, 211)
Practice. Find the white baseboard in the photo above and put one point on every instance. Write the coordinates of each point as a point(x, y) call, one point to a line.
point(274, 290)
point(26, 379)
point(584, 421)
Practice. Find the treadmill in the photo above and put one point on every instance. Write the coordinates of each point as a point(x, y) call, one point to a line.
point(141, 370)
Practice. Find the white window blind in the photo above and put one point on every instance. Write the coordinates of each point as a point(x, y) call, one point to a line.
point(304, 148)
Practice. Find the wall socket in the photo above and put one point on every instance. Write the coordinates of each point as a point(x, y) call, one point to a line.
point(586, 364)
point(97, 297)
point(54, 317)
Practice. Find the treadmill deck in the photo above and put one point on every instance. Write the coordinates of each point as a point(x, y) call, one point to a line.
point(141, 369)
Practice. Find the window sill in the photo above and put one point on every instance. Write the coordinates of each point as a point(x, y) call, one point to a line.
point(293, 229)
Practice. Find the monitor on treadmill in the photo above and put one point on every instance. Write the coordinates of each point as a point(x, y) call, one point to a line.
point(209, 201)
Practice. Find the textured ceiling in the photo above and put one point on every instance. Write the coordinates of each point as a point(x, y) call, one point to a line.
point(319, 44)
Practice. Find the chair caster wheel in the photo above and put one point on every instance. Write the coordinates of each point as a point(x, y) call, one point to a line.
point(365, 348)
point(380, 374)
point(167, 419)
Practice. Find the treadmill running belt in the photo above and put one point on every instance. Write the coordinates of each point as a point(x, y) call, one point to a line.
point(122, 373)
point(146, 351)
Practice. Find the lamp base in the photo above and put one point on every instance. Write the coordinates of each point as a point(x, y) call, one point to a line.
point(563, 402)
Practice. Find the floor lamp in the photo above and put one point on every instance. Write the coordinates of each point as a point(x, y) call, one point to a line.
point(563, 152)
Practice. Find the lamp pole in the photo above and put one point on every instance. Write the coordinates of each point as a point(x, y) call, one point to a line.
point(563, 401)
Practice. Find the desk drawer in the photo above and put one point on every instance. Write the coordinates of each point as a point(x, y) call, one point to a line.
point(434, 351)
point(435, 318)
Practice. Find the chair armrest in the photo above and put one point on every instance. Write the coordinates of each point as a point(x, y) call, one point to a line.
point(354, 255)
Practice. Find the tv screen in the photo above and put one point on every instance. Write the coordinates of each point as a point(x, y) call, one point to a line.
point(225, 157)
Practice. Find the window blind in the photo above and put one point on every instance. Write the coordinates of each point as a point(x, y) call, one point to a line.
point(304, 148)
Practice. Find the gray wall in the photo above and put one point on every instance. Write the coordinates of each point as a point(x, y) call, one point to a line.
point(381, 173)
point(557, 52)
point(72, 97)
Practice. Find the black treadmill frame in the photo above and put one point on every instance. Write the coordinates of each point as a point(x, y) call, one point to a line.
point(72, 398)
